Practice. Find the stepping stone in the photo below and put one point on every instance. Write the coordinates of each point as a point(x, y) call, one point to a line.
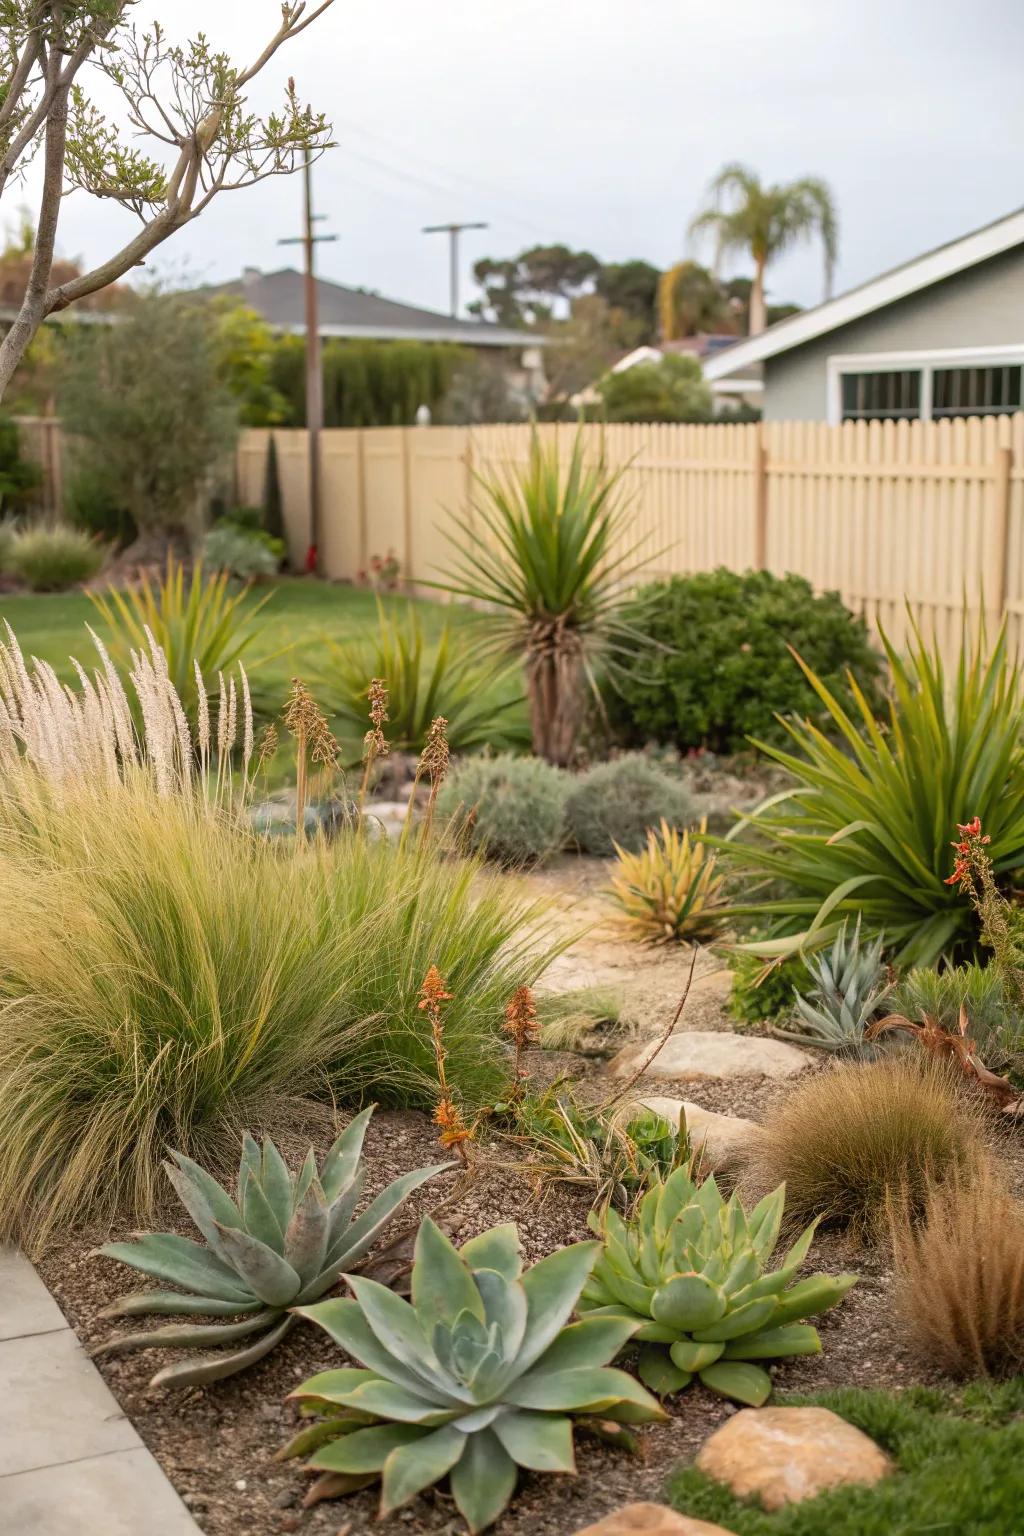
point(700, 1053)
point(120, 1494)
point(651, 1520)
point(718, 1140)
point(28, 1306)
point(785, 1455)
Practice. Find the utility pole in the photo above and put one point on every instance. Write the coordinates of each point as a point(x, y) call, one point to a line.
point(453, 232)
point(314, 371)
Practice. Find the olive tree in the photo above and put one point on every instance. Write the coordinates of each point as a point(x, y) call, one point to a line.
point(181, 133)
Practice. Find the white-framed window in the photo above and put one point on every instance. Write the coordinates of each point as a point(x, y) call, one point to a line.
point(922, 386)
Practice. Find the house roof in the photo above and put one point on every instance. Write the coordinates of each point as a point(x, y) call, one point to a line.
point(279, 298)
point(898, 283)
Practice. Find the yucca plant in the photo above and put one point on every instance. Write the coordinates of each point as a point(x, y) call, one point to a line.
point(284, 1240)
point(669, 891)
point(850, 987)
point(548, 553)
point(478, 701)
point(691, 1268)
point(480, 1375)
point(865, 826)
point(195, 619)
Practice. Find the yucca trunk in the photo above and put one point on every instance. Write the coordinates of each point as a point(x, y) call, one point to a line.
point(554, 685)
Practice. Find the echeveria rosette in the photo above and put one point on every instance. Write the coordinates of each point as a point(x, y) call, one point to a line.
point(283, 1241)
point(690, 1270)
point(479, 1375)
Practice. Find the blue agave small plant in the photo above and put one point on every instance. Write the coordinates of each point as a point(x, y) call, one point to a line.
point(480, 1375)
point(282, 1242)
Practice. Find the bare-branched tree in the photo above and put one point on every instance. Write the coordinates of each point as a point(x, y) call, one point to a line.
point(183, 131)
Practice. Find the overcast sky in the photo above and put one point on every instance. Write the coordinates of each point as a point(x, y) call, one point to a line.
point(599, 123)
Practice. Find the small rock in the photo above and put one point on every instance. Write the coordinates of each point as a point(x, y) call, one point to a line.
point(785, 1455)
point(717, 1139)
point(285, 1499)
point(651, 1520)
point(270, 1411)
point(241, 1484)
point(701, 1053)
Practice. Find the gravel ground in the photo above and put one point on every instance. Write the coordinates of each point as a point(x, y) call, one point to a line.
point(217, 1443)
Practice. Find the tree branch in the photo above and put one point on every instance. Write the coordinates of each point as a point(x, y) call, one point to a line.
point(288, 29)
point(34, 304)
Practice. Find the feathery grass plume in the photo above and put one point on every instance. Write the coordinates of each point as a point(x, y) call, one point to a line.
point(959, 1273)
point(88, 733)
point(314, 742)
point(447, 1116)
point(374, 742)
point(522, 1024)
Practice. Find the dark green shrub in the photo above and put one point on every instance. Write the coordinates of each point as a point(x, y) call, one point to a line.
point(19, 476)
point(510, 808)
point(53, 559)
point(761, 995)
point(616, 803)
point(273, 508)
point(723, 670)
point(91, 504)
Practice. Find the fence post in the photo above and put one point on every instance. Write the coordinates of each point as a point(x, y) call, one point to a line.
point(1002, 472)
point(407, 562)
point(363, 530)
point(760, 501)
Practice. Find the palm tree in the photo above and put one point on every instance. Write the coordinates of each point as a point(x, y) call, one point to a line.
point(763, 221)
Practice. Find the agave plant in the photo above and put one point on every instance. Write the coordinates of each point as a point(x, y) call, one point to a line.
point(547, 554)
point(690, 1268)
point(478, 701)
point(283, 1241)
point(850, 987)
point(477, 1377)
point(669, 890)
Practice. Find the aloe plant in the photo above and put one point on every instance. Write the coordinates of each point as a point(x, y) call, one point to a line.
point(283, 1241)
point(690, 1269)
point(477, 1377)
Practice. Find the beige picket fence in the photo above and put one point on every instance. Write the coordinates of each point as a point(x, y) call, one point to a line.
point(885, 513)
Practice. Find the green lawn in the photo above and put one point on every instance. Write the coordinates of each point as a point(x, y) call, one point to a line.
point(300, 616)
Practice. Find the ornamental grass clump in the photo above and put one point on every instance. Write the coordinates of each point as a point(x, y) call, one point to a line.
point(283, 1241)
point(864, 826)
point(850, 1141)
point(691, 1268)
point(481, 1375)
point(53, 559)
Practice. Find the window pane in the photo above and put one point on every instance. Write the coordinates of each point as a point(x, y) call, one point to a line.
point(882, 396)
point(976, 391)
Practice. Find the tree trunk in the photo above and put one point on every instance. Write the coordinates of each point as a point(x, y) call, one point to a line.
point(758, 315)
point(554, 685)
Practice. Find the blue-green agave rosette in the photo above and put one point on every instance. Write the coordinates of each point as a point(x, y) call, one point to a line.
point(481, 1374)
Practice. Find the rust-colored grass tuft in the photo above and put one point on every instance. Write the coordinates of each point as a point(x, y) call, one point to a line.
point(959, 1272)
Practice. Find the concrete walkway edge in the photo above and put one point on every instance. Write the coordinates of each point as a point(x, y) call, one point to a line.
point(71, 1463)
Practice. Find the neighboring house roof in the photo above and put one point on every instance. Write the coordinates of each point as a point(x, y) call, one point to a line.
point(279, 298)
point(748, 380)
point(898, 283)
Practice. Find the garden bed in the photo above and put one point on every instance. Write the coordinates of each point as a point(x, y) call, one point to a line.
point(217, 1443)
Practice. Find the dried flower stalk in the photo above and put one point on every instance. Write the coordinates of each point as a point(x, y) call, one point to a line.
point(374, 742)
point(447, 1116)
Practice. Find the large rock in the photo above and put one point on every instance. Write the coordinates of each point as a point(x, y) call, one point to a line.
point(718, 1140)
point(785, 1455)
point(651, 1520)
point(699, 1053)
